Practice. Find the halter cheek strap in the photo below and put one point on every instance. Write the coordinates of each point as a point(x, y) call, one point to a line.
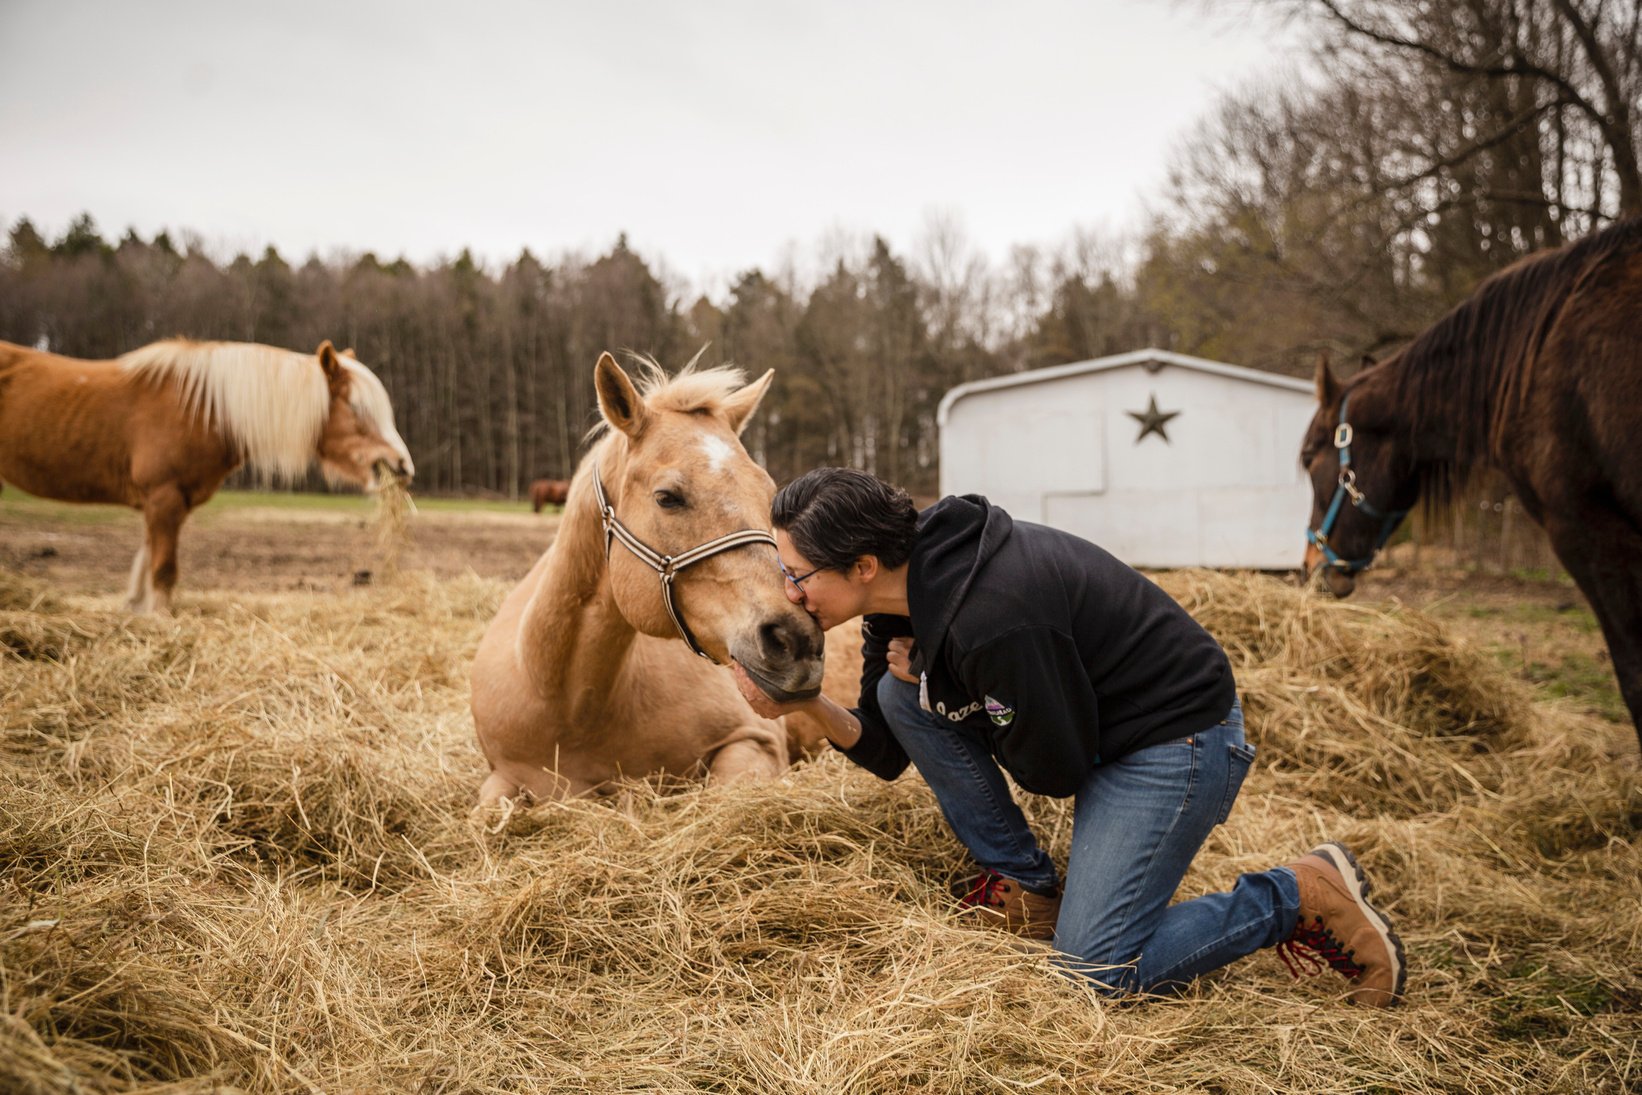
point(668, 566)
point(1347, 488)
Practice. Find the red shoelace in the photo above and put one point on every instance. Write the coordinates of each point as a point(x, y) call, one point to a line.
point(1310, 947)
point(982, 889)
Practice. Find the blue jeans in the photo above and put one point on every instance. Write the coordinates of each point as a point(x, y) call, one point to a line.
point(1137, 823)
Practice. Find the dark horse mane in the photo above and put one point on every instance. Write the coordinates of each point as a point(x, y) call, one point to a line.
point(1482, 356)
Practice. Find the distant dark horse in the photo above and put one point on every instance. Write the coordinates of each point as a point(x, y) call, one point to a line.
point(1538, 374)
point(548, 492)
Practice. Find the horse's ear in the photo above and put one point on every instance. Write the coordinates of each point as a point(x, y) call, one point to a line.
point(619, 401)
point(1327, 387)
point(740, 406)
point(349, 353)
point(327, 360)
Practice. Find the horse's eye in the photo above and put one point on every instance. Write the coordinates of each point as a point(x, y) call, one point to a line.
point(666, 499)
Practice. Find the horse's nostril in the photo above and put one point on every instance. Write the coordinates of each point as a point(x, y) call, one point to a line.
point(776, 641)
point(789, 641)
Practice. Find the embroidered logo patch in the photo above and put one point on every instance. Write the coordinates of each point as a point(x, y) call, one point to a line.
point(1000, 713)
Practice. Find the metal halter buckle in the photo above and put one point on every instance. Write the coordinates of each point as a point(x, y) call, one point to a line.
point(1348, 481)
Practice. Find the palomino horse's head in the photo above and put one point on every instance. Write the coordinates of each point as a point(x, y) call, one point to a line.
point(358, 443)
point(1362, 477)
point(677, 479)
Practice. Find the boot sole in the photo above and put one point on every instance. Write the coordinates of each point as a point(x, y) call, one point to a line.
point(1358, 885)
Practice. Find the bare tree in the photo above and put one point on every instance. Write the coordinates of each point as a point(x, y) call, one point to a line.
point(1569, 70)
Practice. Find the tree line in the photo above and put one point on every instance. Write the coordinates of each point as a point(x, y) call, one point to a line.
point(1340, 208)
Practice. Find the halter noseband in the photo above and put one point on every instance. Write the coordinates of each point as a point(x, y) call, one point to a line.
point(1347, 488)
point(668, 566)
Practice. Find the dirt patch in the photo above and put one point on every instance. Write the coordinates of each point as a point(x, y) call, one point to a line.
point(268, 550)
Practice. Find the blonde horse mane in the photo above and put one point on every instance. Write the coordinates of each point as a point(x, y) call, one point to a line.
point(271, 403)
point(690, 390)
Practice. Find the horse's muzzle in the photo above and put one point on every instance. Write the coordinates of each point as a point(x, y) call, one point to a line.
point(1339, 582)
point(788, 691)
point(785, 659)
point(400, 471)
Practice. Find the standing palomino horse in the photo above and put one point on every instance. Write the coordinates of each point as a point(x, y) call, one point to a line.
point(581, 677)
point(161, 427)
point(1539, 374)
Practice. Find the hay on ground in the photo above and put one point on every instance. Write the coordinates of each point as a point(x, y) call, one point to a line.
point(236, 855)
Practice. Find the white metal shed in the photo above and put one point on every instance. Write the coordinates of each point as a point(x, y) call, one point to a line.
point(1162, 459)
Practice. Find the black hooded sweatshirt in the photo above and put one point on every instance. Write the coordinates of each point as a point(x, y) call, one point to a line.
point(1064, 655)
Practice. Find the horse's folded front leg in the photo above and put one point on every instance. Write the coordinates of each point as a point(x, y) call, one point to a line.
point(760, 755)
point(536, 784)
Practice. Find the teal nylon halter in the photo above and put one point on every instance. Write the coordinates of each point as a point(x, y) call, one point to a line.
point(1347, 488)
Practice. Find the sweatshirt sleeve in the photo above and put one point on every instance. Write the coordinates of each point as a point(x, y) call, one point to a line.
point(1044, 712)
point(877, 751)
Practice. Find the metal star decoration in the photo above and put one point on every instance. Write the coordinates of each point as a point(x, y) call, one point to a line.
point(1152, 420)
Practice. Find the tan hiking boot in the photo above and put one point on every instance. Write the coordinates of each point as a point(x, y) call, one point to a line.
point(1339, 927)
point(1005, 903)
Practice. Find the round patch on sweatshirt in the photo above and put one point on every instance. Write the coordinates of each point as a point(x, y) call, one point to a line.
point(1000, 713)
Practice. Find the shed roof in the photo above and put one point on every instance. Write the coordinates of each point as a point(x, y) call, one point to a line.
point(1117, 361)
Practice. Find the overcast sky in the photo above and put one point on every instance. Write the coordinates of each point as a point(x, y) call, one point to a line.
point(717, 135)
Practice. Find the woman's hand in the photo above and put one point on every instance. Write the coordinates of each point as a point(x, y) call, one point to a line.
point(837, 723)
point(761, 704)
point(899, 658)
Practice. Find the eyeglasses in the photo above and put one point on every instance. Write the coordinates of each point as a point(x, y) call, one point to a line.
point(798, 580)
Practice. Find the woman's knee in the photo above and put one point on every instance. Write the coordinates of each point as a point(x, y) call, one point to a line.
point(898, 700)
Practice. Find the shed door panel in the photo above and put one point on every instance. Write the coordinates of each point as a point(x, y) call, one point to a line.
point(1057, 450)
point(1143, 528)
point(1261, 527)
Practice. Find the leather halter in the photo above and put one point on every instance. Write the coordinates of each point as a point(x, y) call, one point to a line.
point(1347, 488)
point(668, 566)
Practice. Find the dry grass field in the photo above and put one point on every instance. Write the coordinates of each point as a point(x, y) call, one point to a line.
point(236, 853)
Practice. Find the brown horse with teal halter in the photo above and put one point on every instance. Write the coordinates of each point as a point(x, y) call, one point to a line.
point(1346, 487)
point(1537, 374)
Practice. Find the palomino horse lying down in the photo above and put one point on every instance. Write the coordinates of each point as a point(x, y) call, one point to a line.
point(160, 428)
point(582, 677)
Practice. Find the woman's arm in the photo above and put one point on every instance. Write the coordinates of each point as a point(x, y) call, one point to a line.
point(841, 727)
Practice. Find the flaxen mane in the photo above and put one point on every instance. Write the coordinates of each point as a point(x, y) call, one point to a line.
point(272, 403)
point(690, 391)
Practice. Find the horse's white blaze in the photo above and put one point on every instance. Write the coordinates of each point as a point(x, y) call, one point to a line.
point(719, 452)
